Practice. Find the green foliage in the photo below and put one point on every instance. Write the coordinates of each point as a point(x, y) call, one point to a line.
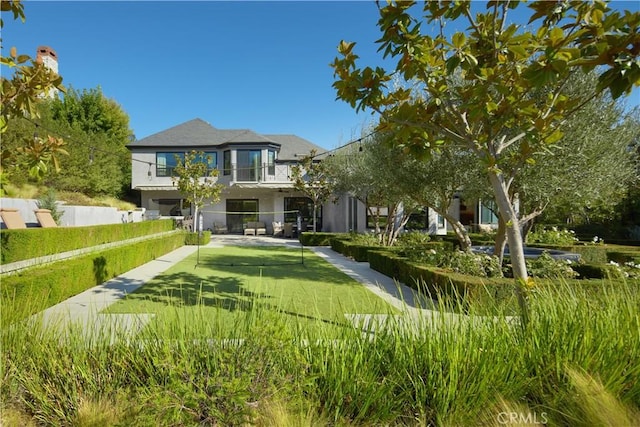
point(553, 236)
point(312, 179)
point(318, 238)
point(196, 181)
point(53, 283)
point(478, 89)
point(49, 201)
point(18, 245)
point(197, 239)
point(547, 267)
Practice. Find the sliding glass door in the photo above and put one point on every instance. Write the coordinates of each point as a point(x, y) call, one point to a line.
point(240, 211)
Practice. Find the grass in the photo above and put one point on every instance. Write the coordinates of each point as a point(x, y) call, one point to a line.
point(576, 363)
point(220, 284)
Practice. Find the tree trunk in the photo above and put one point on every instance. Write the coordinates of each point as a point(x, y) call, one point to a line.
point(315, 209)
point(501, 239)
point(514, 238)
point(461, 232)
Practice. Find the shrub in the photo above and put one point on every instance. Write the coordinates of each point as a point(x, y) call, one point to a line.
point(553, 236)
point(413, 239)
point(479, 265)
point(548, 267)
point(48, 201)
point(319, 238)
point(197, 239)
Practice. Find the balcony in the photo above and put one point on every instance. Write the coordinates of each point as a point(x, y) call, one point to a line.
point(239, 174)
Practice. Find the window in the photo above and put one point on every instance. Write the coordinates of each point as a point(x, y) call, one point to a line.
point(210, 158)
point(166, 162)
point(271, 163)
point(487, 212)
point(379, 212)
point(249, 164)
point(304, 205)
point(226, 160)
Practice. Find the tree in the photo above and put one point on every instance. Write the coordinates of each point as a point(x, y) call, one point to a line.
point(436, 181)
point(591, 171)
point(196, 180)
point(494, 114)
point(369, 172)
point(20, 95)
point(310, 178)
point(99, 162)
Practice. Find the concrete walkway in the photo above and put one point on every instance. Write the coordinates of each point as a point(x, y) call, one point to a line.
point(84, 310)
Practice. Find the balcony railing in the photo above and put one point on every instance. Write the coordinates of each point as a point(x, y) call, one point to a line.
point(261, 173)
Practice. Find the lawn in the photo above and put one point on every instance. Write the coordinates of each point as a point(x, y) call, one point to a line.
point(209, 292)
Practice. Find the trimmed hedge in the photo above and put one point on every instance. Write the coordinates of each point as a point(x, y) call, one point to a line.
point(455, 288)
point(57, 282)
point(624, 256)
point(359, 253)
point(18, 245)
point(590, 254)
point(195, 239)
point(595, 271)
point(319, 238)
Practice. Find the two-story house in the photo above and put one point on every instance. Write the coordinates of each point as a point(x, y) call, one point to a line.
point(254, 169)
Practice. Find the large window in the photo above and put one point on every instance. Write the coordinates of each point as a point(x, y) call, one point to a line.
point(249, 164)
point(239, 212)
point(304, 205)
point(210, 158)
point(166, 162)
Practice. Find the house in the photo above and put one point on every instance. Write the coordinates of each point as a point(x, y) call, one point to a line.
point(254, 169)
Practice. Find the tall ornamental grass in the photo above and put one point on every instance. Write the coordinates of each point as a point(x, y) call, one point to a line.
point(575, 363)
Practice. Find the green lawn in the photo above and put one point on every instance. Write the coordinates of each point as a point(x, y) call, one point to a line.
point(216, 294)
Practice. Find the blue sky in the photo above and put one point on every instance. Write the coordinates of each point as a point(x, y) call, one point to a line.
point(257, 65)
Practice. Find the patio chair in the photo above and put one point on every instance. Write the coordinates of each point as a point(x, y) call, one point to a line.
point(287, 229)
point(45, 219)
point(261, 228)
point(250, 228)
point(277, 228)
point(219, 228)
point(12, 218)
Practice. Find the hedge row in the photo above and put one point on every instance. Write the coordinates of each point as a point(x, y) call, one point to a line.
point(54, 283)
point(18, 245)
point(319, 238)
point(196, 239)
point(351, 250)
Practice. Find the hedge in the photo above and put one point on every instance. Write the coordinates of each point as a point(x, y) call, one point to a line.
point(359, 253)
point(196, 239)
point(56, 282)
point(319, 238)
point(21, 244)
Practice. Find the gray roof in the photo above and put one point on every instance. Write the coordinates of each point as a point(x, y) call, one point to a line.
point(198, 133)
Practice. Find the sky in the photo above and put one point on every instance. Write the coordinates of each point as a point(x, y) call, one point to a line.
point(260, 65)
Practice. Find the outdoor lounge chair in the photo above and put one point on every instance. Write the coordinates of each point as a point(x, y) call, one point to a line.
point(261, 228)
point(219, 228)
point(12, 218)
point(45, 219)
point(277, 228)
point(250, 228)
point(287, 229)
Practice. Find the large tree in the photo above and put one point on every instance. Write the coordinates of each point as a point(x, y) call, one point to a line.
point(310, 177)
point(368, 170)
point(494, 115)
